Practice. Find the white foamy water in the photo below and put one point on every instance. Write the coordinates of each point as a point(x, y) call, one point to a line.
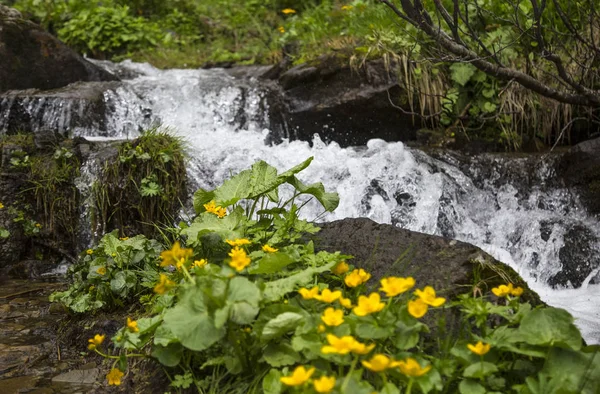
point(224, 122)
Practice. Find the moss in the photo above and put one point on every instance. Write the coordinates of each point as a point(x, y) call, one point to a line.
point(144, 187)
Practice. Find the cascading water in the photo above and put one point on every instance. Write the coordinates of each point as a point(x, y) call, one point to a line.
point(526, 225)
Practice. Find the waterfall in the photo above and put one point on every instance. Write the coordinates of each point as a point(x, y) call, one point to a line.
point(512, 208)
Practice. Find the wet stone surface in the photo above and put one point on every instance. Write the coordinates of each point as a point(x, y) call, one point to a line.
point(31, 359)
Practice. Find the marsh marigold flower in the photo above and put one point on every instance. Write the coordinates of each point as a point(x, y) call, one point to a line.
point(309, 294)
point(333, 317)
point(175, 256)
point(411, 368)
point(479, 348)
point(347, 7)
point(378, 363)
point(298, 377)
point(343, 345)
point(288, 11)
point(132, 325)
point(324, 384)
point(238, 242)
point(345, 302)
point(239, 259)
point(281, 29)
point(163, 285)
point(361, 348)
point(517, 291)
point(269, 249)
point(393, 286)
point(114, 377)
point(368, 305)
point(340, 268)
point(200, 263)
point(357, 278)
point(503, 290)
point(89, 252)
point(95, 341)
point(321, 328)
point(427, 295)
point(328, 296)
point(101, 271)
point(1, 206)
point(417, 308)
point(211, 207)
point(124, 238)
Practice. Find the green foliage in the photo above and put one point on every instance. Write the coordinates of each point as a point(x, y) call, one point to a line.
point(247, 304)
point(143, 187)
point(111, 274)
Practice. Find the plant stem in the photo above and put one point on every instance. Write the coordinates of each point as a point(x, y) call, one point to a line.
point(347, 380)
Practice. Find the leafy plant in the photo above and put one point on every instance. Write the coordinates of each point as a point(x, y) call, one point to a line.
point(249, 297)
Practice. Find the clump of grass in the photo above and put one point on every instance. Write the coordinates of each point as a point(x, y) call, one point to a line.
point(143, 187)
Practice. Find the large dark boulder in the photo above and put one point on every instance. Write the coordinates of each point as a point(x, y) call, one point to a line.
point(33, 58)
point(450, 266)
point(347, 105)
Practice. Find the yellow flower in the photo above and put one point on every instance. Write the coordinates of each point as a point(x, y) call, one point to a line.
point(132, 325)
point(340, 268)
point(175, 255)
point(269, 249)
point(368, 305)
point(114, 377)
point(164, 284)
point(324, 384)
point(333, 317)
point(211, 207)
point(101, 271)
point(328, 296)
point(410, 367)
point(200, 263)
point(361, 348)
point(378, 363)
point(309, 294)
point(124, 238)
point(95, 341)
point(238, 242)
point(1, 206)
point(427, 295)
point(503, 290)
point(321, 328)
point(239, 259)
point(357, 278)
point(343, 345)
point(221, 212)
point(38, 225)
point(288, 11)
point(89, 252)
point(517, 291)
point(417, 308)
point(345, 302)
point(281, 29)
point(347, 7)
point(479, 348)
point(298, 377)
point(393, 286)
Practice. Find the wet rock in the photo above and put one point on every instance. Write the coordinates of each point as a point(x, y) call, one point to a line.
point(579, 169)
point(576, 264)
point(19, 384)
point(348, 106)
point(78, 376)
point(30, 269)
point(33, 58)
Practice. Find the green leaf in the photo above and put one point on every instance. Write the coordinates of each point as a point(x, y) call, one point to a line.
point(406, 336)
point(244, 297)
point(202, 197)
point(480, 370)
point(190, 323)
point(206, 223)
point(575, 370)
point(371, 331)
point(330, 201)
point(276, 289)
point(271, 383)
point(4, 233)
point(163, 336)
point(168, 356)
point(272, 263)
point(461, 73)
point(550, 326)
point(389, 388)
point(280, 325)
point(278, 355)
point(468, 386)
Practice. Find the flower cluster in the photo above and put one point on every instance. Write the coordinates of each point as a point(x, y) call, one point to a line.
point(211, 207)
point(507, 290)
